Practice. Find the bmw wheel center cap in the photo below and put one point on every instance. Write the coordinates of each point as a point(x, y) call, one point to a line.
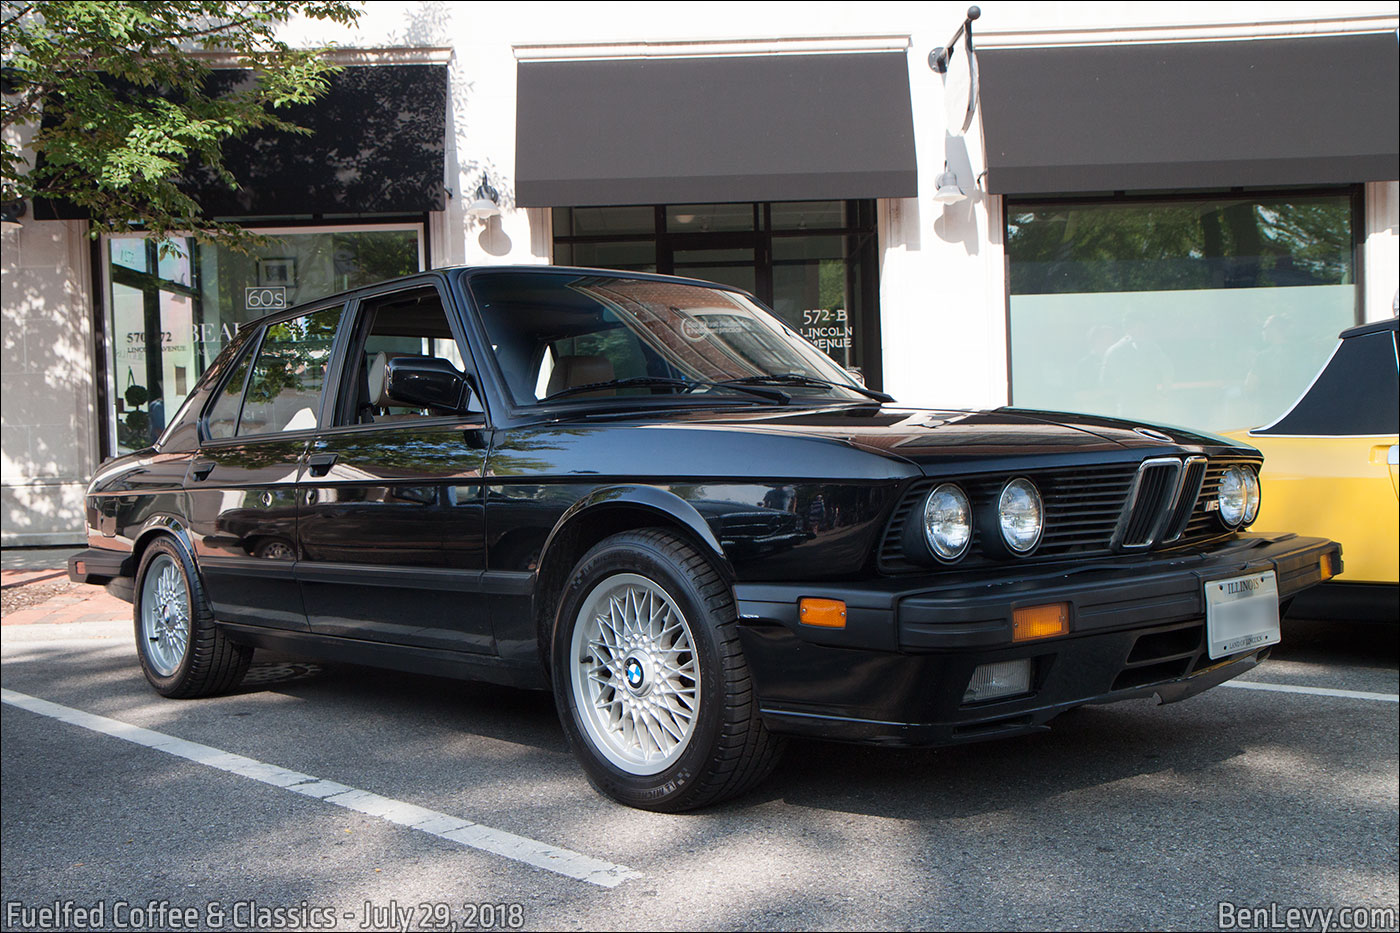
point(635, 674)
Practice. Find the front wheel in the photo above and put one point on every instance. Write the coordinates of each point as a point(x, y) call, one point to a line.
point(652, 687)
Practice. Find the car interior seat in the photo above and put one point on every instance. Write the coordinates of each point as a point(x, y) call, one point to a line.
point(571, 371)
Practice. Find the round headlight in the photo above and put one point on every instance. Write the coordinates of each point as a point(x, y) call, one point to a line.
point(1251, 495)
point(948, 522)
point(1232, 496)
point(1020, 515)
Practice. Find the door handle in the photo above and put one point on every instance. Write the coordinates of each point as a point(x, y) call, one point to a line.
point(201, 469)
point(321, 463)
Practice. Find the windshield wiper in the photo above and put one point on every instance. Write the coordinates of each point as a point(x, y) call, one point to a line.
point(797, 379)
point(687, 385)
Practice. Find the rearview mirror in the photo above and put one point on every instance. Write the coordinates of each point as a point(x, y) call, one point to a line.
point(426, 382)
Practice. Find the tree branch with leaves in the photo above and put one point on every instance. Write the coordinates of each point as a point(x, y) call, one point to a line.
point(115, 100)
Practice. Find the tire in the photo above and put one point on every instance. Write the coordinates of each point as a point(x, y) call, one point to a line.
point(651, 684)
point(183, 652)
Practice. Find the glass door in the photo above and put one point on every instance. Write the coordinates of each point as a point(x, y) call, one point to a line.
point(155, 311)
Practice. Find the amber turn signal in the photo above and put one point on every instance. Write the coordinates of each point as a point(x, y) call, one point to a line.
point(1328, 568)
point(1032, 622)
point(824, 613)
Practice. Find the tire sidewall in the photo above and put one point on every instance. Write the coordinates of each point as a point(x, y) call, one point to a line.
point(666, 789)
point(167, 546)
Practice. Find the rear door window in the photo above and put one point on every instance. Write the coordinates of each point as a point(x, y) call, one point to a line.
point(223, 416)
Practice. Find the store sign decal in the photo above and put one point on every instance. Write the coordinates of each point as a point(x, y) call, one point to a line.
point(828, 330)
point(265, 297)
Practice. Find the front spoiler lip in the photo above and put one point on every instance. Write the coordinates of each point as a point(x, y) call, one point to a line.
point(897, 673)
point(994, 725)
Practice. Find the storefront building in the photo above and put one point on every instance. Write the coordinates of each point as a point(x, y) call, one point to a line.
point(1160, 222)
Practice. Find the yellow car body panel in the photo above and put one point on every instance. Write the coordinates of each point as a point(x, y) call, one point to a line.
point(1335, 487)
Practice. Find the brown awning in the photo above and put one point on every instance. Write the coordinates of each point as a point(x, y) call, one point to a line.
point(1265, 112)
point(751, 128)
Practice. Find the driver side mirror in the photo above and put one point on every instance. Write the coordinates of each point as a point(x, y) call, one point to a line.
point(426, 382)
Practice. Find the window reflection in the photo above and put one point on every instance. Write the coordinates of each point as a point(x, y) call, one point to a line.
point(1209, 313)
point(174, 304)
point(813, 262)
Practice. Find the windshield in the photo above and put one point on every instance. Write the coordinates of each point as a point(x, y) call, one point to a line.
point(586, 336)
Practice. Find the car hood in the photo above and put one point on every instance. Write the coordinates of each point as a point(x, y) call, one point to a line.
point(992, 439)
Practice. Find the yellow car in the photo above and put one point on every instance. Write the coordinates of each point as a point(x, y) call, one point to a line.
point(1330, 470)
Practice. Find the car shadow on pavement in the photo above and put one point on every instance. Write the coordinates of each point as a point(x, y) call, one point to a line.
point(520, 716)
point(1355, 644)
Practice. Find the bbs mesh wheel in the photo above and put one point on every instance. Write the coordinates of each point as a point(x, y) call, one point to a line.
point(652, 687)
point(183, 652)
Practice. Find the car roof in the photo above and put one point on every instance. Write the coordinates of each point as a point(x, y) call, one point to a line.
point(467, 270)
point(1375, 327)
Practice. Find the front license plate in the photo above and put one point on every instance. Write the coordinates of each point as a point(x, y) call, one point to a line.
point(1241, 613)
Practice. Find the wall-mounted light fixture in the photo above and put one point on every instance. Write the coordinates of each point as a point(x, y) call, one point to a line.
point(486, 203)
point(11, 213)
point(947, 190)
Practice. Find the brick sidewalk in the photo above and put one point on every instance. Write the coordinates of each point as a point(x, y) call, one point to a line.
point(58, 599)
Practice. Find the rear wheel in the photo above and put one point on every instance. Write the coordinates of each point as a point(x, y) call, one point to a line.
point(183, 653)
point(652, 686)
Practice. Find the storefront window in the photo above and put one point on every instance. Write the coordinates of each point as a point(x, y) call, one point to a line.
point(1208, 313)
point(813, 262)
point(187, 299)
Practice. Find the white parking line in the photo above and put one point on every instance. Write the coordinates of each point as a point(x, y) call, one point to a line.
point(1315, 691)
point(463, 832)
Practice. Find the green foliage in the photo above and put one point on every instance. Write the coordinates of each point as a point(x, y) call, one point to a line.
point(115, 96)
point(293, 357)
point(1170, 245)
point(831, 284)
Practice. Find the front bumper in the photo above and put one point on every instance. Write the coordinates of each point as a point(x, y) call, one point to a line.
point(898, 672)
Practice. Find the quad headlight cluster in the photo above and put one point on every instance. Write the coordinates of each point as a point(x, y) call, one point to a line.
point(1238, 496)
point(948, 521)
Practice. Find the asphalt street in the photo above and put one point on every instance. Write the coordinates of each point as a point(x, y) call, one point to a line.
point(1125, 816)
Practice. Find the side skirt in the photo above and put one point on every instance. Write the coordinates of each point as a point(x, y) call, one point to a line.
point(433, 661)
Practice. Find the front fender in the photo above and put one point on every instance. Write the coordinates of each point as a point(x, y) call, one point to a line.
point(649, 498)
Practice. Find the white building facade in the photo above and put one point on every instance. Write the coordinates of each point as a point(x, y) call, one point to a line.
point(1169, 210)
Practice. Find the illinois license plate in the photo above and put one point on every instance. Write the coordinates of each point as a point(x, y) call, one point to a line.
point(1241, 613)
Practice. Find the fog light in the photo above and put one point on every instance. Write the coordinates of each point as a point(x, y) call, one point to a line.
point(1002, 679)
point(1033, 622)
point(824, 613)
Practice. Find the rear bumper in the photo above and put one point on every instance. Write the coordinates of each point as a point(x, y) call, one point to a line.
point(99, 566)
point(898, 672)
